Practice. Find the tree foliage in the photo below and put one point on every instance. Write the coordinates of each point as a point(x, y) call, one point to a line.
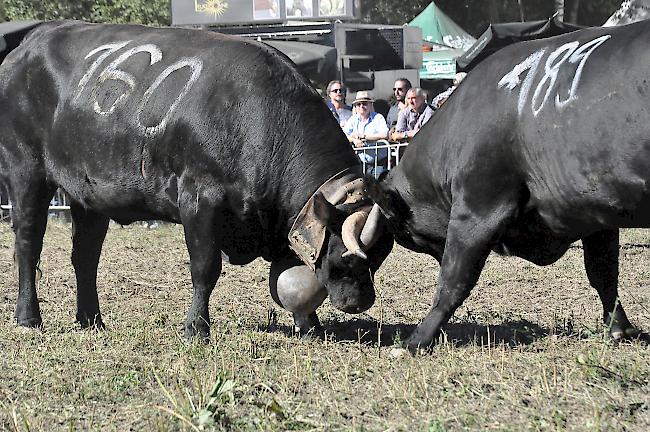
point(3, 16)
point(47, 9)
point(472, 15)
point(475, 15)
point(152, 12)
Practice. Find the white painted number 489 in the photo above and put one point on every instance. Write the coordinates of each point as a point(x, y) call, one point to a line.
point(571, 53)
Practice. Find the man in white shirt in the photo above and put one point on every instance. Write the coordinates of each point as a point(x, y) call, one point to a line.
point(365, 127)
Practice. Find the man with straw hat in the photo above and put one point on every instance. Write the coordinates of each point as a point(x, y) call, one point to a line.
point(365, 127)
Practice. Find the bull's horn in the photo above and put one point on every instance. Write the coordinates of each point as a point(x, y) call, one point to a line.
point(350, 192)
point(351, 232)
point(371, 231)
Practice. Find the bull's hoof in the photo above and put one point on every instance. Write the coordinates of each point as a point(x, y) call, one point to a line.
point(201, 333)
point(416, 349)
point(312, 334)
point(308, 327)
point(417, 345)
point(36, 322)
point(94, 322)
point(619, 334)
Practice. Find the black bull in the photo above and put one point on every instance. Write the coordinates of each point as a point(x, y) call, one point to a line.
point(219, 134)
point(544, 143)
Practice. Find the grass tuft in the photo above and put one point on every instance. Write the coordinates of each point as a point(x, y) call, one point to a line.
point(196, 408)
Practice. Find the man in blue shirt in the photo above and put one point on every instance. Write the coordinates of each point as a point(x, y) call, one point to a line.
point(336, 102)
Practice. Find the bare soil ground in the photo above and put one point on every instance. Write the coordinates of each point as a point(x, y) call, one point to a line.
point(525, 352)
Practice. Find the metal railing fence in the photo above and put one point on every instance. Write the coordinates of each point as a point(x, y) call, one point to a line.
point(380, 156)
point(60, 203)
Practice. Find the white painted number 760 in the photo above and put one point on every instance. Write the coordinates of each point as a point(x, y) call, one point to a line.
point(112, 72)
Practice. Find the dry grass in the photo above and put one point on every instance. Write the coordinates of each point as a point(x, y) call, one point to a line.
point(525, 352)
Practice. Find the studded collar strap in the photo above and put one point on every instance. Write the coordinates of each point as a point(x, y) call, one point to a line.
point(307, 234)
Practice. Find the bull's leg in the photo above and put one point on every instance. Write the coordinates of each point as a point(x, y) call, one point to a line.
point(601, 263)
point(307, 326)
point(88, 233)
point(469, 238)
point(205, 264)
point(30, 201)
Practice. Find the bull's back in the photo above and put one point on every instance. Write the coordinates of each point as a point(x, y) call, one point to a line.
point(126, 113)
point(570, 115)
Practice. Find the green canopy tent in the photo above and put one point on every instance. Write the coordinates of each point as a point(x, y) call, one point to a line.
point(446, 39)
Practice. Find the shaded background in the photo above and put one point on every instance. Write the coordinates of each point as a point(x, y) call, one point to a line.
point(473, 15)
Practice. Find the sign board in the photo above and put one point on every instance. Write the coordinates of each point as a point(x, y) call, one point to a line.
point(222, 12)
point(439, 63)
point(438, 67)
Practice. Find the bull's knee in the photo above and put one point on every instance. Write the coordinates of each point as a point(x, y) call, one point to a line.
point(295, 287)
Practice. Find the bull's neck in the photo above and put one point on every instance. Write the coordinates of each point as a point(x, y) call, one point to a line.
point(326, 154)
point(429, 163)
point(300, 178)
point(334, 177)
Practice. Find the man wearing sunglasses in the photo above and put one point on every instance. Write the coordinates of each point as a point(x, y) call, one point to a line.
point(401, 86)
point(336, 102)
point(364, 128)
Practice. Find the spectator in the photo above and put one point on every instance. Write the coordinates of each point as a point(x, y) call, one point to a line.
point(401, 86)
point(437, 101)
point(412, 119)
point(336, 102)
point(365, 127)
point(428, 96)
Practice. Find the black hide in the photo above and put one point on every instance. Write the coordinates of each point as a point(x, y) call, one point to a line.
point(544, 143)
point(214, 132)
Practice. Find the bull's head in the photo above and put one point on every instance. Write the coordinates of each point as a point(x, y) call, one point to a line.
point(355, 244)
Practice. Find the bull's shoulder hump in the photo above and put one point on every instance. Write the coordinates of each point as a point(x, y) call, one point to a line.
point(72, 40)
point(621, 37)
point(38, 36)
point(182, 39)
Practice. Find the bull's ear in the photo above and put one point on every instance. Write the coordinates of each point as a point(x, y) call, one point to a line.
point(375, 191)
point(389, 200)
point(323, 209)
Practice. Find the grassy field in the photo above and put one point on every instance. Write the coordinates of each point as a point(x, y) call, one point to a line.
point(525, 352)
